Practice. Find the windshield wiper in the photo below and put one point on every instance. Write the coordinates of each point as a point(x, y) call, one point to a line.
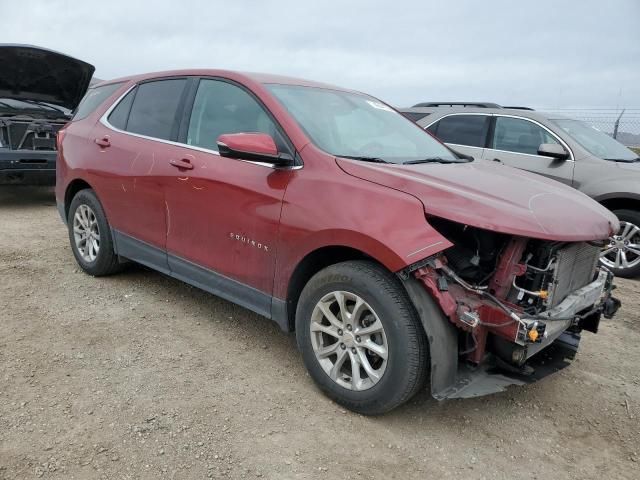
point(364, 159)
point(432, 160)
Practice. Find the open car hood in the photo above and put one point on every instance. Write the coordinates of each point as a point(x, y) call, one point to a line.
point(34, 73)
point(495, 197)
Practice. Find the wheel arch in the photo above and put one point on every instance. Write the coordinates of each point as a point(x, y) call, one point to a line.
point(311, 264)
point(72, 189)
point(621, 202)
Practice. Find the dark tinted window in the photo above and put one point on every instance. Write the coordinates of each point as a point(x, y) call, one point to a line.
point(154, 108)
point(519, 135)
point(93, 98)
point(468, 130)
point(119, 115)
point(414, 116)
point(220, 108)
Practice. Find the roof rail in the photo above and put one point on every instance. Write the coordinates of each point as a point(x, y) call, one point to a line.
point(520, 108)
point(458, 104)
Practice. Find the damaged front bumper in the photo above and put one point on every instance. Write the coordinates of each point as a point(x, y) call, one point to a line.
point(492, 376)
point(504, 353)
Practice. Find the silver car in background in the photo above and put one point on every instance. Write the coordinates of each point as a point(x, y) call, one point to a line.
point(560, 148)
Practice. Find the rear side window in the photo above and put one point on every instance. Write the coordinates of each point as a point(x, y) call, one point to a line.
point(119, 115)
point(93, 99)
point(470, 130)
point(154, 108)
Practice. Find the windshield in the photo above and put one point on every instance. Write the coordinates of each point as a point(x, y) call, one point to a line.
point(357, 126)
point(596, 142)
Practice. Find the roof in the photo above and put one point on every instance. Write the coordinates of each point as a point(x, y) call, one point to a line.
point(262, 78)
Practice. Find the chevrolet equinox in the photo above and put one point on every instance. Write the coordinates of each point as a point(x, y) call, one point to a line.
point(392, 258)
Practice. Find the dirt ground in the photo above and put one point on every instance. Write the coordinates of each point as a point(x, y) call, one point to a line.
point(141, 376)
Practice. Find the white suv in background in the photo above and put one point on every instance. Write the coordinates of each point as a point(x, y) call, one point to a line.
point(560, 148)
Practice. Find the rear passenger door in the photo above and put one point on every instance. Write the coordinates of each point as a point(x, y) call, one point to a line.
point(515, 142)
point(465, 133)
point(134, 145)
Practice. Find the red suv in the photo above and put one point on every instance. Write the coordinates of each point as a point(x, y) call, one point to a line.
point(392, 257)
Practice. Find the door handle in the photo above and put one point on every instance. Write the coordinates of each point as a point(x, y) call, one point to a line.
point(103, 142)
point(183, 163)
point(497, 160)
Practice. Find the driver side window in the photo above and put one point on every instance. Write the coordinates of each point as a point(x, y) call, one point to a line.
point(519, 135)
point(220, 108)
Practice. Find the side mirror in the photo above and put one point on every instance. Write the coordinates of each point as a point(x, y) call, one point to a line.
point(258, 147)
point(553, 150)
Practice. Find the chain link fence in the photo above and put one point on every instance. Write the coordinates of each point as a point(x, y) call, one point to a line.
point(621, 123)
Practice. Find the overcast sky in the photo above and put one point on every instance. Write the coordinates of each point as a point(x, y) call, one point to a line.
point(552, 53)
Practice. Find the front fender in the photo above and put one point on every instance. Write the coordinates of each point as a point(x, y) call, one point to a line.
point(620, 184)
point(385, 224)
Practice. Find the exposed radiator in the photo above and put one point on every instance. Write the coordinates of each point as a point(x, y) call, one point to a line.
point(575, 268)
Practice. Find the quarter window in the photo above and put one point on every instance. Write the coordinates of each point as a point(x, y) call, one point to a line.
point(119, 115)
point(220, 108)
point(93, 98)
point(154, 109)
point(469, 130)
point(519, 135)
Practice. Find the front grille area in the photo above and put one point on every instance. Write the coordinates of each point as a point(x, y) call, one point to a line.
point(28, 134)
point(575, 268)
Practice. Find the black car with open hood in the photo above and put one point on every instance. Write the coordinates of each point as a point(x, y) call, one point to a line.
point(39, 89)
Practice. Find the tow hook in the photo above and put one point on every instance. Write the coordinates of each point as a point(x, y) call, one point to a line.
point(610, 307)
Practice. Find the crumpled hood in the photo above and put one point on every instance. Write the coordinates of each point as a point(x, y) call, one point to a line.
point(495, 197)
point(34, 73)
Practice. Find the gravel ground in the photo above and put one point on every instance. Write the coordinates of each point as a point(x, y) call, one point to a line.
point(141, 376)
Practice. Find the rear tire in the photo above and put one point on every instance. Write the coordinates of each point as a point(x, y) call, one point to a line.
point(90, 235)
point(619, 250)
point(351, 316)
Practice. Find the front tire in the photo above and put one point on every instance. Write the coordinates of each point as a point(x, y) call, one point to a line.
point(360, 337)
point(90, 235)
point(622, 254)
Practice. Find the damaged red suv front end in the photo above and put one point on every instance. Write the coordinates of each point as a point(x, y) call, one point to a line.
point(542, 293)
point(515, 279)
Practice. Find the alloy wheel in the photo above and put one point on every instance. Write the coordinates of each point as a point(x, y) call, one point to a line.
point(86, 233)
point(623, 250)
point(349, 340)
